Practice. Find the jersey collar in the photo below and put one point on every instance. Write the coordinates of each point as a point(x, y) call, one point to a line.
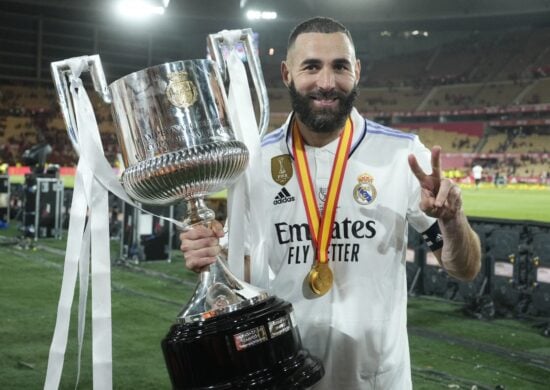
point(359, 125)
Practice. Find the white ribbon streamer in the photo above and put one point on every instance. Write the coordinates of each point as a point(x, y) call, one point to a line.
point(83, 270)
point(248, 187)
point(93, 179)
point(70, 270)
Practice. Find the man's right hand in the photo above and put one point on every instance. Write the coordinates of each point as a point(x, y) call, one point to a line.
point(200, 245)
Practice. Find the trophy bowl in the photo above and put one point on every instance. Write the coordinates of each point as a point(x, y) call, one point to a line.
point(177, 143)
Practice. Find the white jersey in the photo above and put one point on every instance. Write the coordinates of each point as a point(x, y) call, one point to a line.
point(477, 170)
point(358, 328)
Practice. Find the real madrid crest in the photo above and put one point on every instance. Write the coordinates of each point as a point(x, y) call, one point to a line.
point(281, 169)
point(181, 92)
point(364, 192)
point(323, 194)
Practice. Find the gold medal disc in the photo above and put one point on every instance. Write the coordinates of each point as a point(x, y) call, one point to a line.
point(320, 278)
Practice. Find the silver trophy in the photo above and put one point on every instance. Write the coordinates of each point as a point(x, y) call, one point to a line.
point(177, 142)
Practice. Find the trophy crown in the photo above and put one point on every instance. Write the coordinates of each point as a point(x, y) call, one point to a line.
point(175, 132)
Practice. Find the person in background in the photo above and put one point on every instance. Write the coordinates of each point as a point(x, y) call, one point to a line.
point(328, 169)
point(477, 172)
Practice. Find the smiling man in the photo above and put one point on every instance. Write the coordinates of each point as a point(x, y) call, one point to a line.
point(341, 192)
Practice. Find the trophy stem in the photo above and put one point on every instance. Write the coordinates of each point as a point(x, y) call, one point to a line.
point(218, 290)
point(198, 213)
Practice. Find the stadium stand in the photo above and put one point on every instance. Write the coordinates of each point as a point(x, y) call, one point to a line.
point(539, 92)
point(399, 70)
point(499, 77)
point(389, 98)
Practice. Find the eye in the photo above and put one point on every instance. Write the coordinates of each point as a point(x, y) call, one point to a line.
point(311, 67)
point(341, 66)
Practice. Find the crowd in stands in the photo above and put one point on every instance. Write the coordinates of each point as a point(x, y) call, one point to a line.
point(492, 71)
point(461, 144)
point(21, 128)
point(518, 140)
point(30, 115)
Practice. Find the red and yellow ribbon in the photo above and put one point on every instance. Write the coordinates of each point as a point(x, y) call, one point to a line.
point(321, 226)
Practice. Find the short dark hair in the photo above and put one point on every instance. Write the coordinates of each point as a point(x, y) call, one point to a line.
point(318, 24)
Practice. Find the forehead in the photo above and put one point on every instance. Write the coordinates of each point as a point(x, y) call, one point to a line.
point(322, 46)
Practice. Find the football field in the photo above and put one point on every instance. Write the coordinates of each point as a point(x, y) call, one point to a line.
point(518, 203)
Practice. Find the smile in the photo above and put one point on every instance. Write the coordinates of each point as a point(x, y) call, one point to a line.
point(325, 102)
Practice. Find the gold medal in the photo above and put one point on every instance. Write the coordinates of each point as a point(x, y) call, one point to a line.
point(320, 278)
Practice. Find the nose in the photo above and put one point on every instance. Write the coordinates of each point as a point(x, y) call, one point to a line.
point(326, 81)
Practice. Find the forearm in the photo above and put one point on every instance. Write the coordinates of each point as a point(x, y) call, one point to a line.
point(461, 252)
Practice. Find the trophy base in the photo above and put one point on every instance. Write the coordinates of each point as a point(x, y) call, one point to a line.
point(257, 347)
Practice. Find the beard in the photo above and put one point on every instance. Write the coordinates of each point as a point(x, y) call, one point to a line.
point(323, 120)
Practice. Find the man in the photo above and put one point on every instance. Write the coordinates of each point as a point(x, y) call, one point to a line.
point(477, 172)
point(363, 183)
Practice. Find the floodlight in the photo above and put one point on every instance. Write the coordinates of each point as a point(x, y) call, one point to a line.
point(141, 8)
point(261, 15)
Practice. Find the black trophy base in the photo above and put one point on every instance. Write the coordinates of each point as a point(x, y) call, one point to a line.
point(257, 347)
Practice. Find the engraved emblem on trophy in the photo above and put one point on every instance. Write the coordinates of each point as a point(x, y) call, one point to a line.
point(177, 142)
point(181, 92)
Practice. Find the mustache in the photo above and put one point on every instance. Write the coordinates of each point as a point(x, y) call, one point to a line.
point(327, 95)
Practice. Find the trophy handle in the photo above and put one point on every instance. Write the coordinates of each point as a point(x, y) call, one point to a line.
point(61, 72)
point(214, 42)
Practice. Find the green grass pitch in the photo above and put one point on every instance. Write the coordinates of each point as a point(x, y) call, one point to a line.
point(528, 203)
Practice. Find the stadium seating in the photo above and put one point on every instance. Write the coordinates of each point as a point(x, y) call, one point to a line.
point(497, 94)
point(539, 91)
point(447, 97)
point(450, 141)
point(494, 143)
point(489, 70)
point(396, 71)
point(389, 99)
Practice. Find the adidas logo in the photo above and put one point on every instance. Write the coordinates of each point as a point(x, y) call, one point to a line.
point(283, 197)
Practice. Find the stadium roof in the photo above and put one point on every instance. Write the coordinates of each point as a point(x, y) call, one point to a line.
point(35, 32)
point(349, 11)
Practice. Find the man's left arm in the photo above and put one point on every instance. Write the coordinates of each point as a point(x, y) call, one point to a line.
point(440, 198)
point(460, 255)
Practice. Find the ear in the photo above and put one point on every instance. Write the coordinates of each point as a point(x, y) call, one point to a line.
point(358, 70)
point(285, 73)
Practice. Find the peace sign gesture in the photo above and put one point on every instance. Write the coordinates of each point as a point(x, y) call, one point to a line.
point(440, 197)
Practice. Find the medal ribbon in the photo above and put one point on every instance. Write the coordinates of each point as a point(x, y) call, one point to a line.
point(321, 227)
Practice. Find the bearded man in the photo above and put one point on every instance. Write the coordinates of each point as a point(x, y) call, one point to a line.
point(340, 194)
